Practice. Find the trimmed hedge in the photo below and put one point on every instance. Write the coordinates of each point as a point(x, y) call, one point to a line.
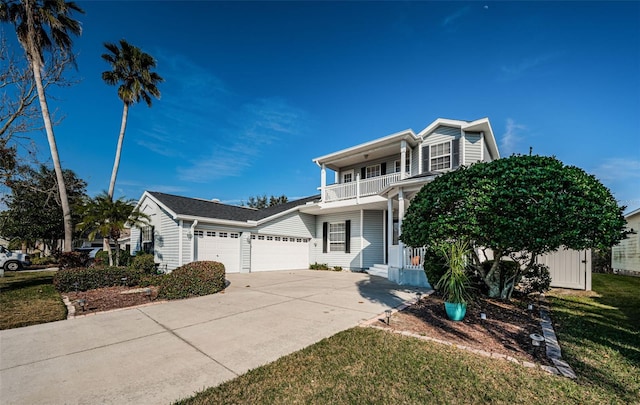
point(89, 278)
point(192, 280)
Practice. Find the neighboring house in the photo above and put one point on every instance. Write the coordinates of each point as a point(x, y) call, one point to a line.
point(625, 256)
point(354, 223)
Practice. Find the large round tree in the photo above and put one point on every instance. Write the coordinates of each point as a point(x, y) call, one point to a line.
point(518, 207)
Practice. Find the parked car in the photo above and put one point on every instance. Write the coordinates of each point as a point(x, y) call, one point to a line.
point(89, 253)
point(12, 261)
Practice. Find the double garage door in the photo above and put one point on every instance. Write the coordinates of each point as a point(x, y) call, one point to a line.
point(268, 252)
point(272, 252)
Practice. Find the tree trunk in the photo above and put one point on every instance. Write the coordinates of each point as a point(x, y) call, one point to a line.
point(116, 163)
point(62, 189)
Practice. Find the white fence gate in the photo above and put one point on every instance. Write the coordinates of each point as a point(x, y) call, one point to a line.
point(569, 268)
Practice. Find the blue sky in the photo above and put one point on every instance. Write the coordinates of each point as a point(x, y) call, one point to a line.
point(254, 91)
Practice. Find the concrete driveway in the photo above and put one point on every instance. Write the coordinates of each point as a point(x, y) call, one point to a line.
point(160, 353)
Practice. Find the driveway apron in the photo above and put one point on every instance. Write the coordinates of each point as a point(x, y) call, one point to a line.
point(168, 351)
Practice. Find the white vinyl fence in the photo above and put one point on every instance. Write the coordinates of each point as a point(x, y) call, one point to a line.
point(569, 268)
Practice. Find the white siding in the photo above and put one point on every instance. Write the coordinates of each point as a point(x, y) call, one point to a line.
point(166, 244)
point(373, 244)
point(135, 241)
point(415, 161)
point(487, 155)
point(345, 260)
point(293, 224)
point(626, 254)
point(472, 148)
point(245, 252)
point(442, 134)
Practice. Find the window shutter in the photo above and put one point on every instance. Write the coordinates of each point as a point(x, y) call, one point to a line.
point(363, 173)
point(325, 235)
point(425, 159)
point(455, 153)
point(347, 236)
point(383, 169)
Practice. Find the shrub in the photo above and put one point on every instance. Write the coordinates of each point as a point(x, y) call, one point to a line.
point(39, 261)
point(435, 265)
point(192, 280)
point(69, 260)
point(144, 262)
point(337, 268)
point(89, 278)
point(102, 258)
point(318, 266)
point(536, 279)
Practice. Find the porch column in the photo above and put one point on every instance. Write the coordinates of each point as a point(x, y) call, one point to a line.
point(403, 159)
point(357, 188)
point(323, 182)
point(400, 217)
point(389, 225)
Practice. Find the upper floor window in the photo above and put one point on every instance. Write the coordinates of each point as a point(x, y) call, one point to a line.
point(347, 177)
point(440, 156)
point(372, 171)
point(407, 166)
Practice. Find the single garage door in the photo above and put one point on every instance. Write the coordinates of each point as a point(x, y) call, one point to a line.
point(271, 252)
point(219, 246)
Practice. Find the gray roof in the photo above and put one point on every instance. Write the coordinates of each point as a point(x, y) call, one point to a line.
point(211, 209)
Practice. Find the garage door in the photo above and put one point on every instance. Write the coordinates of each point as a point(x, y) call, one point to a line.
point(271, 252)
point(219, 246)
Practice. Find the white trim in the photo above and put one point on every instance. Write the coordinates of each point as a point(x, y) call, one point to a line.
point(344, 232)
point(482, 146)
point(462, 158)
point(366, 169)
point(193, 240)
point(180, 241)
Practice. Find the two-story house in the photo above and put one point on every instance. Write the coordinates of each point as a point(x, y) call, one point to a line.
point(354, 223)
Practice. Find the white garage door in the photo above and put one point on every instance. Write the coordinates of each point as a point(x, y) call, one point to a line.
point(270, 252)
point(219, 246)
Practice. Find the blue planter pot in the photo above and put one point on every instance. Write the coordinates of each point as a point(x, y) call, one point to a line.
point(455, 311)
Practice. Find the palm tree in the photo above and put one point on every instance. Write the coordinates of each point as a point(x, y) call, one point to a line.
point(131, 68)
point(45, 25)
point(102, 215)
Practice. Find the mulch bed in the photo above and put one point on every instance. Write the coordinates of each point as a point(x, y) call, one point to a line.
point(104, 299)
point(506, 329)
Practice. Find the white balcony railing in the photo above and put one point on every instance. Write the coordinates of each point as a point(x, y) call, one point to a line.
point(359, 188)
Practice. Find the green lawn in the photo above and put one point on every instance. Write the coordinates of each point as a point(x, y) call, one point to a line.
point(599, 336)
point(29, 298)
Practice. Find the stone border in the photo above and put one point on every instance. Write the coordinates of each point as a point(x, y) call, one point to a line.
point(71, 309)
point(561, 368)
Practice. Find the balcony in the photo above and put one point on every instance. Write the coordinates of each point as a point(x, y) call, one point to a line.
point(359, 188)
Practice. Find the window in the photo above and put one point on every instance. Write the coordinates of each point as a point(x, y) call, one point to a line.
point(146, 239)
point(277, 238)
point(261, 237)
point(372, 171)
point(269, 237)
point(253, 236)
point(223, 234)
point(337, 236)
point(210, 233)
point(440, 156)
point(198, 233)
point(347, 177)
point(285, 239)
point(234, 236)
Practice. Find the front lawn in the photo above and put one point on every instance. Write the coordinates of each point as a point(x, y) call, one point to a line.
point(598, 334)
point(29, 298)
